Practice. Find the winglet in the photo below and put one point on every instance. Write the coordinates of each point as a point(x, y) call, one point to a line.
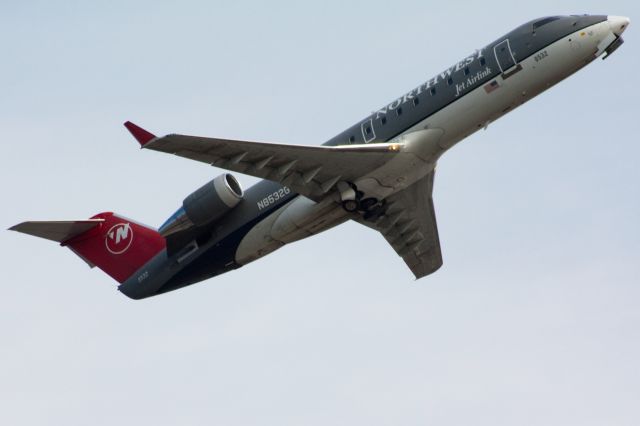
point(141, 135)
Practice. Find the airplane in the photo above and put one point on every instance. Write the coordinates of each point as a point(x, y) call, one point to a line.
point(378, 172)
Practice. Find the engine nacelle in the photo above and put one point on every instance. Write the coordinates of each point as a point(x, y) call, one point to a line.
point(213, 200)
point(204, 206)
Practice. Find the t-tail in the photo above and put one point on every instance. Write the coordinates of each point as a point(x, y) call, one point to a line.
point(120, 247)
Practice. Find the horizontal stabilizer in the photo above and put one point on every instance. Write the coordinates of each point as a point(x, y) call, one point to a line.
point(59, 231)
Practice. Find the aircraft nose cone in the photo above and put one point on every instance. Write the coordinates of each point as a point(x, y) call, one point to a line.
point(618, 24)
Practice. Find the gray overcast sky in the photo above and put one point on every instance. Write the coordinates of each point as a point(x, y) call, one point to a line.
point(533, 319)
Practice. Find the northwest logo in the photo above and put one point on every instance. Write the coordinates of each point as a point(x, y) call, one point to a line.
point(119, 238)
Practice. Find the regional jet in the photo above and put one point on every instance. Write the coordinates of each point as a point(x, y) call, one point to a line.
point(378, 172)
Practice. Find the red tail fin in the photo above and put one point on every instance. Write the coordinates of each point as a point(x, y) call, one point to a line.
point(118, 246)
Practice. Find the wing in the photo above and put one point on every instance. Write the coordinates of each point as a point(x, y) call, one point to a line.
point(308, 170)
point(409, 225)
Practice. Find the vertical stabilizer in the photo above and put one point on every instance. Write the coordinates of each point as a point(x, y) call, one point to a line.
point(114, 244)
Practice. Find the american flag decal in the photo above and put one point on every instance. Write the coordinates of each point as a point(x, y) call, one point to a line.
point(490, 87)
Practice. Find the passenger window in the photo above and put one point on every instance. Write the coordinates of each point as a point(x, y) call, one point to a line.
point(466, 71)
point(383, 120)
point(352, 139)
point(416, 101)
point(483, 62)
point(399, 111)
point(450, 81)
point(433, 91)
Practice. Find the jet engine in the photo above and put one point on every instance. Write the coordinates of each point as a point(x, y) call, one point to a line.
point(204, 206)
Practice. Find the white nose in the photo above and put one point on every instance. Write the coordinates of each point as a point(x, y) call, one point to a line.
point(618, 24)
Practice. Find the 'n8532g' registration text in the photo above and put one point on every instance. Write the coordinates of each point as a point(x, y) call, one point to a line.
point(272, 198)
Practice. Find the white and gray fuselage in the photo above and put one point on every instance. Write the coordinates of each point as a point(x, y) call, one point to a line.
point(427, 140)
point(424, 123)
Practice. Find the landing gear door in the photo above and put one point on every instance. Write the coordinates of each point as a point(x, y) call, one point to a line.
point(505, 58)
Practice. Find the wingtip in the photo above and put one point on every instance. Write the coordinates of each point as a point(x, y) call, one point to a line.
point(142, 136)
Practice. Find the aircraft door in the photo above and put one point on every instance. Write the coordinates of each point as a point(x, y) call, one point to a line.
point(368, 133)
point(504, 56)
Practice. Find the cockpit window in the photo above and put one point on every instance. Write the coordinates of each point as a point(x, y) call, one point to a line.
point(545, 21)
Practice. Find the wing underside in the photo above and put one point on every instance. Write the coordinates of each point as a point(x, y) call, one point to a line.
point(409, 226)
point(311, 171)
